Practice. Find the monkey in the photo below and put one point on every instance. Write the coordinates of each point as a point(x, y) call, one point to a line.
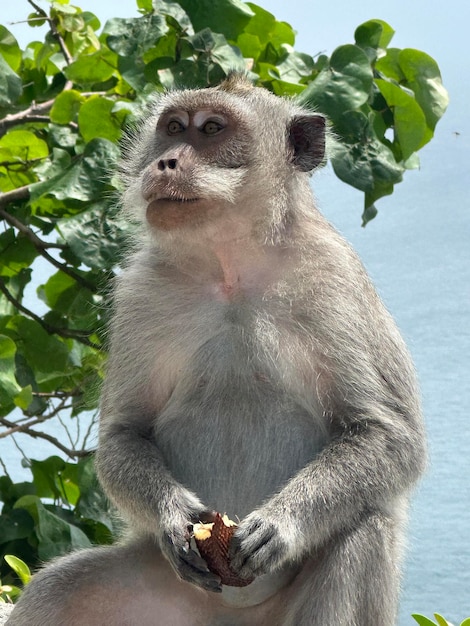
point(253, 370)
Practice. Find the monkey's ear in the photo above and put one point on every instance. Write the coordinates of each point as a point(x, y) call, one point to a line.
point(307, 138)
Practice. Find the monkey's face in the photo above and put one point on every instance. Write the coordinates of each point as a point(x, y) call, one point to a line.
point(202, 162)
point(221, 157)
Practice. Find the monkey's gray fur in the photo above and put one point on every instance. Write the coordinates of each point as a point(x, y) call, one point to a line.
point(253, 370)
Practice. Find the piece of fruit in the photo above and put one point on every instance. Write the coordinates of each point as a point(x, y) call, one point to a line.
point(213, 541)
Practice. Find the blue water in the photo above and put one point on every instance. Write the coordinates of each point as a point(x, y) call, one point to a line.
point(418, 253)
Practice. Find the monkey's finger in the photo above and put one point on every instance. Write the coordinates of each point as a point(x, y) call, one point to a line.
point(193, 569)
point(255, 553)
point(203, 517)
point(193, 559)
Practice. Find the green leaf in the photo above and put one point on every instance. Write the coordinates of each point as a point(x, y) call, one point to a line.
point(24, 399)
point(374, 34)
point(389, 66)
point(14, 523)
point(22, 145)
point(267, 29)
point(72, 304)
point(422, 620)
point(145, 5)
point(249, 45)
point(9, 387)
point(343, 85)
point(178, 19)
point(361, 159)
point(55, 535)
point(66, 106)
point(47, 355)
point(228, 57)
point(409, 120)
point(294, 67)
point(440, 620)
point(19, 567)
point(228, 17)
point(52, 479)
point(466, 622)
point(85, 180)
point(16, 253)
point(97, 236)
point(11, 85)
point(424, 78)
point(132, 36)
point(93, 503)
point(92, 68)
point(95, 119)
point(9, 49)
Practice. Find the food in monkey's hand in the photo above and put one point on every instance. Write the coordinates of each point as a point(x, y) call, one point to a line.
point(213, 541)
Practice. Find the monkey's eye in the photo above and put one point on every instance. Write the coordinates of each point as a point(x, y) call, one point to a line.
point(211, 128)
point(175, 127)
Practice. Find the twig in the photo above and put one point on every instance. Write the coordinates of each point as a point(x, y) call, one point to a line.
point(67, 56)
point(33, 113)
point(40, 435)
point(56, 395)
point(90, 428)
point(78, 335)
point(23, 193)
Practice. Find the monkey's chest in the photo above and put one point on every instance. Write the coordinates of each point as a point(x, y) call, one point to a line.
point(232, 431)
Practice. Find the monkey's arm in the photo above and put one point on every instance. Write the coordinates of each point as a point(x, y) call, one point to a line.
point(134, 476)
point(375, 454)
point(361, 472)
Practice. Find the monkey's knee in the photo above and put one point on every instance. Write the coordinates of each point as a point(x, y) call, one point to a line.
point(353, 581)
point(63, 592)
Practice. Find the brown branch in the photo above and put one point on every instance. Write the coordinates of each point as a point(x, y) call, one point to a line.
point(31, 114)
point(56, 395)
point(40, 245)
point(55, 33)
point(20, 193)
point(80, 336)
point(40, 435)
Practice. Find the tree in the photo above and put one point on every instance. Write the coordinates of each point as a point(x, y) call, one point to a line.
point(63, 105)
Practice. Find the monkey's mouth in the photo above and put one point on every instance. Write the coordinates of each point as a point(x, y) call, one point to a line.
point(169, 212)
point(176, 200)
point(155, 200)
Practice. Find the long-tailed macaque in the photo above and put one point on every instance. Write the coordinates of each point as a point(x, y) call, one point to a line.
point(253, 371)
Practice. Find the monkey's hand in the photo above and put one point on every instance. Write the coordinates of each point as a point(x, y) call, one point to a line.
point(262, 543)
point(174, 537)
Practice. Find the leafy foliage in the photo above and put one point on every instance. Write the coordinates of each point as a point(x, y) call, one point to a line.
point(61, 509)
point(64, 102)
point(440, 621)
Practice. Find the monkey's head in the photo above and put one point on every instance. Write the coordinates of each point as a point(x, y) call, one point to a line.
point(230, 152)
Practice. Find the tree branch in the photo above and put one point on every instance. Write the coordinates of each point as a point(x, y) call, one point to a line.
point(14, 428)
point(41, 246)
point(20, 193)
point(80, 336)
point(32, 114)
point(55, 33)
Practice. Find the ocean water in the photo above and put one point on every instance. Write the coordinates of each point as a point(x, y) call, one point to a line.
point(418, 253)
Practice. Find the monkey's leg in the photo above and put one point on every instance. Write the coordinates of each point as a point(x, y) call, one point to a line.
point(113, 586)
point(354, 581)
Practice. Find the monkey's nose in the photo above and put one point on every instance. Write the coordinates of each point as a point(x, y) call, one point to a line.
point(170, 164)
